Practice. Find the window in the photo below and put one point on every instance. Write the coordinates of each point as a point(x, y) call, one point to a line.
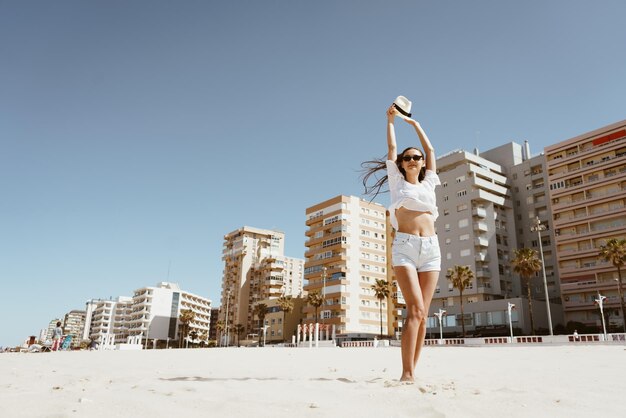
point(446, 212)
point(444, 184)
point(445, 198)
point(460, 179)
point(464, 237)
point(461, 208)
point(448, 256)
point(463, 223)
point(447, 227)
point(461, 193)
point(465, 253)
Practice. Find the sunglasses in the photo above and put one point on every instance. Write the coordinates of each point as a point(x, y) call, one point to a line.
point(415, 157)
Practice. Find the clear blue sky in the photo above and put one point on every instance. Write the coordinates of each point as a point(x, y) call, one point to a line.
point(136, 134)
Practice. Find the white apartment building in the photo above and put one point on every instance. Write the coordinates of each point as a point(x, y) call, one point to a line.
point(156, 310)
point(487, 204)
point(107, 317)
point(346, 253)
point(475, 228)
point(529, 187)
point(255, 269)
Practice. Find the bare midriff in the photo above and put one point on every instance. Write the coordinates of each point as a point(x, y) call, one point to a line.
point(415, 222)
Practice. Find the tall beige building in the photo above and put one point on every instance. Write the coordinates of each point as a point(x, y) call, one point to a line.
point(73, 324)
point(255, 269)
point(587, 188)
point(346, 253)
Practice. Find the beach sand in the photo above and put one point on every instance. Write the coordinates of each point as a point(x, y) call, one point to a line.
point(495, 381)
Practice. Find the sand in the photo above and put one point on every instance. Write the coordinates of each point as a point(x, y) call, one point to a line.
point(496, 381)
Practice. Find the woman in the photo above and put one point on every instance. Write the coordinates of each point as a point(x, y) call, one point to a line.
point(57, 333)
point(416, 257)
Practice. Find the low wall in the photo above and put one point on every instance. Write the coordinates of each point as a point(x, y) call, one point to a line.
point(532, 339)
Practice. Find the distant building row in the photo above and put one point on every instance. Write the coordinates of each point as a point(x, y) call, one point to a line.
point(152, 312)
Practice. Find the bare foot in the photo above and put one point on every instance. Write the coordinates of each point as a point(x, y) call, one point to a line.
point(406, 377)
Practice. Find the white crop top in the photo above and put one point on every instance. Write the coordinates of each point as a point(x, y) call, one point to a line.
point(418, 197)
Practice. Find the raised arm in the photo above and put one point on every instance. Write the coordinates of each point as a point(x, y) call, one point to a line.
point(431, 163)
point(392, 148)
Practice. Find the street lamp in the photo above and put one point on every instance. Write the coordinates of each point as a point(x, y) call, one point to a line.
point(600, 302)
point(265, 327)
point(539, 227)
point(511, 306)
point(440, 315)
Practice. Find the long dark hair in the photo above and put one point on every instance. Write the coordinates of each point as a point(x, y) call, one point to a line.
point(370, 168)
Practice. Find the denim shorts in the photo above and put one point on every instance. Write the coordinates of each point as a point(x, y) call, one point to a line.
point(421, 253)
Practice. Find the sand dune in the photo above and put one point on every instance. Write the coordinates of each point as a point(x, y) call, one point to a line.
point(518, 381)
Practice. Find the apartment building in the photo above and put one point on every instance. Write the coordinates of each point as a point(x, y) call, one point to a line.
point(73, 324)
point(346, 253)
point(50, 330)
point(529, 186)
point(156, 310)
point(475, 228)
point(255, 269)
point(105, 317)
point(487, 205)
point(281, 326)
point(587, 190)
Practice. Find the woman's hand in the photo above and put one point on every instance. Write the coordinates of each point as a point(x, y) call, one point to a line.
point(408, 120)
point(392, 113)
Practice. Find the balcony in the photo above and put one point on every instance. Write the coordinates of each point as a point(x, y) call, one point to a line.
point(480, 226)
point(483, 273)
point(480, 212)
point(589, 285)
point(585, 267)
point(481, 256)
point(481, 242)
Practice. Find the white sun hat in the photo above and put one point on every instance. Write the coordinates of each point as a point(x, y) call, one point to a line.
point(403, 105)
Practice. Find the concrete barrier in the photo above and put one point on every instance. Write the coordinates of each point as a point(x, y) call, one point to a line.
point(532, 339)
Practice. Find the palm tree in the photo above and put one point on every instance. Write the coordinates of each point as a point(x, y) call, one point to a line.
point(219, 326)
point(193, 334)
point(526, 263)
point(461, 278)
point(260, 311)
point(286, 305)
point(315, 299)
point(238, 330)
point(185, 317)
point(614, 251)
point(381, 291)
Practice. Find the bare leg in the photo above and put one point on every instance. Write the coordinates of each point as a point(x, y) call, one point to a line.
point(428, 283)
point(409, 285)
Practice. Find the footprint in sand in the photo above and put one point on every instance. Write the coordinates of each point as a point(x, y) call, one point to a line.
point(397, 383)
